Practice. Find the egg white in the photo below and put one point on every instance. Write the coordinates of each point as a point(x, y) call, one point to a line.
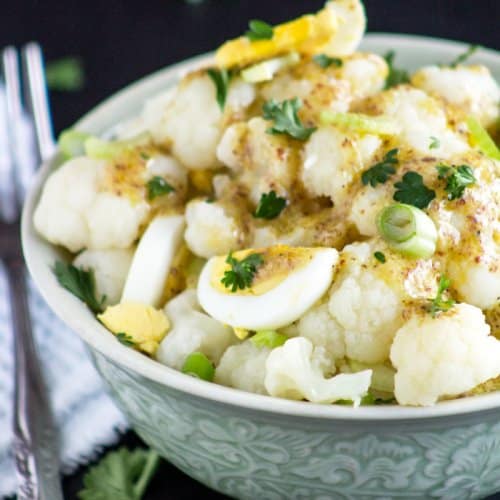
point(278, 307)
point(152, 260)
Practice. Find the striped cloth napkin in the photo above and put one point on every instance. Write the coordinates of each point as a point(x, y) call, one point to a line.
point(86, 417)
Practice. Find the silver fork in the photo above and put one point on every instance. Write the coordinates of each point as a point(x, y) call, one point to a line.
point(35, 439)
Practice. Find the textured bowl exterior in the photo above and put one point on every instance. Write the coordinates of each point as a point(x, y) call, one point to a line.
point(255, 447)
point(256, 455)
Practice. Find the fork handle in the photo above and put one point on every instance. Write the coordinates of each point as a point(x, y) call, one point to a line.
point(35, 443)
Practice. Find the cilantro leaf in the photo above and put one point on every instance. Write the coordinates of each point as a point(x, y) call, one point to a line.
point(380, 257)
point(395, 76)
point(270, 206)
point(412, 191)
point(464, 56)
point(434, 143)
point(80, 283)
point(380, 172)
point(439, 303)
point(242, 271)
point(259, 30)
point(65, 75)
point(158, 186)
point(286, 120)
point(120, 475)
point(125, 339)
point(325, 61)
point(221, 79)
point(457, 179)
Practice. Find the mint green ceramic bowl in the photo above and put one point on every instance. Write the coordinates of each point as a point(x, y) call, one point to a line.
point(255, 447)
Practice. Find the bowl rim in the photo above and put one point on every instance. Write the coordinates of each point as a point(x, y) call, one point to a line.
point(75, 315)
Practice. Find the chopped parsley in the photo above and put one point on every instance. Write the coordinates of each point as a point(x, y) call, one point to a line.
point(221, 79)
point(434, 144)
point(125, 339)
point(439, 304)
point(457, 179)
point(259, 30)
point(286, 119)
point(242, 272)
point(395, 76)
point(412, 191)
point(80, 283)
point(158, 186)
point(121, 474)
point(270, 206)
point(380, 172)
point(464, 56)
point(326, 61)
point(380, 257)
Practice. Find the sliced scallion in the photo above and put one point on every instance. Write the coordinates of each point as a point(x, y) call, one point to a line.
point(268, 338)
point(481, 139)
point(408, 230)
point(379, 125)
point(198, 365)
point(71, 143)
point(105, 150)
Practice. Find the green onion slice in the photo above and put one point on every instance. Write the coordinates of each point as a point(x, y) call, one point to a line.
point(106, 150)
point(71, 143)
point(481, 139)
point(265, 70)
point(268, 338)
point(379, 125)
point(408, 230)
point(198, 365)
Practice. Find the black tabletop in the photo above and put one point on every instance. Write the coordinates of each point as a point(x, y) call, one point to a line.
point(120, 41)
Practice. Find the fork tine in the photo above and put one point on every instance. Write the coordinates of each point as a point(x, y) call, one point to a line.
point(38, 97)
point(11, 104)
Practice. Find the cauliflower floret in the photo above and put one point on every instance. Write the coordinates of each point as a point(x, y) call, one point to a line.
point(365, 206)
point(74, 213)
point(420, 117)
point(110, 271)
point(209, 230)
point(192, 330)
point(367, 298)
point(169, 169)
point(192, 121)
point(443, 356)
point(264, 162)
point(332, 160)
point(322, 329)
point(194, 103)
point(293, 371)
point(243, 367)
point(471, 88)
point(365, 72)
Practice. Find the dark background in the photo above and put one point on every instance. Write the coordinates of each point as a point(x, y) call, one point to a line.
point(120, 41)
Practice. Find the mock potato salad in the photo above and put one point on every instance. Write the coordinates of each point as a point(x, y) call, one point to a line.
point(298, 219)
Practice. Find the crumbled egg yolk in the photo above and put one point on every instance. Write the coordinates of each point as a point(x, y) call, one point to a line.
point(145, 325)
point(303, 35)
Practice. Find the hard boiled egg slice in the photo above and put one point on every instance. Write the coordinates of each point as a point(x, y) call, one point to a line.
point(152, 260)
point(287, 283)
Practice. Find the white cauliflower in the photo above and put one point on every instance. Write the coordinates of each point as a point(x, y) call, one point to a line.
point(322, 330)
point(243, 366)
point(367, 298)
point(169, 169)
point(420, 117)
point(192, 330)
point(471, 88)
point(209, 230)
point(74, 213)
point(293, 371)
point(192, 121)
point(443, 356)
point(332, 160)
point(110, 271)
point(366, 74)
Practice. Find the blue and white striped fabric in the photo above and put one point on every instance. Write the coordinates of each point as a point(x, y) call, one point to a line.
point(86, 417)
